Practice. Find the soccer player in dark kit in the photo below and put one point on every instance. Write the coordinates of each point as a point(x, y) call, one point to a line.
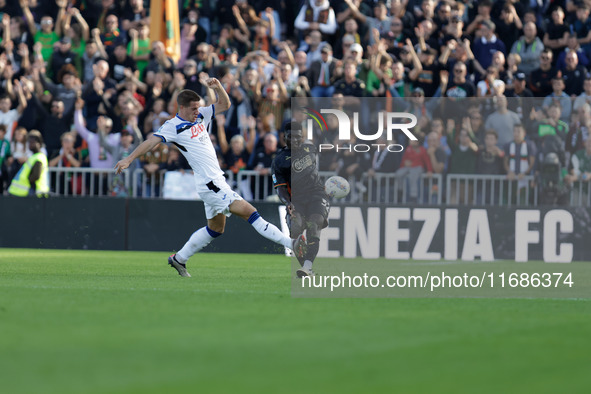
point(295, 177)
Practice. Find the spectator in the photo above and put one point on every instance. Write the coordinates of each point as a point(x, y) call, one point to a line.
point(582, 27)
point(5, 158)
point(95, 89)
point(92, 53)
point(62, 56)
point(579, 131)
point(135, 15)
point(560, 97)
point(488, 44)
point(9, 117)
point(322, 74)
point(584, 97)
point(572, 45)
point(462, 161)
point(312, 47)
point(573, 75)
point(415, 161)
point(67, 157)
point(111, 35)
point(54, 123)
point(490, 157)
point(508, 25)
point(79, 34)
point(47, 36)
point(581, 163)
point(119, 61)
point(540, 79)
point(316, 15)
point(520, 98)
point(237, 153)
point(139, 47)
point(437, 155)
point(483, 15)
point(557, 32)
point(502, 121)
point(520, 157)
point(67, 88)
point(129, 139)
point(459, 88)
point(529, 47)
point(263, 158)
point(99, 157)
point(349, 85)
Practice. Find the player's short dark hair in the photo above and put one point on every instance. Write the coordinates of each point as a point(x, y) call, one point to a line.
point(186, 97)
point(292, 126)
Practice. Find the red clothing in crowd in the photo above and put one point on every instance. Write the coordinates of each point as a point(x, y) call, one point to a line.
point(418, 157)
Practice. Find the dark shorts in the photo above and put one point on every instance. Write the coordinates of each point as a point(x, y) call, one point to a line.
point(313, 204)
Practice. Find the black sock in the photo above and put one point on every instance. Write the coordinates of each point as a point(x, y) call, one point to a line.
point(313, 246)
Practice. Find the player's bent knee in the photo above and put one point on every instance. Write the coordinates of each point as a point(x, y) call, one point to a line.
point(242, 208)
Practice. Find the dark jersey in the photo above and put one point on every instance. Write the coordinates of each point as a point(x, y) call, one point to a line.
point(302, 178)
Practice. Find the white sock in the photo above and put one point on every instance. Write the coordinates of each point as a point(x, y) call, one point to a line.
point(268, 230)
point(200, 239)
point(307, 265)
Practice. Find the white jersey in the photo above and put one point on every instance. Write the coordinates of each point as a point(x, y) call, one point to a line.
point(193, 141)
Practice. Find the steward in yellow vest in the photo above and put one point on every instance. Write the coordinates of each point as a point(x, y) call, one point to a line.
point(32, 177)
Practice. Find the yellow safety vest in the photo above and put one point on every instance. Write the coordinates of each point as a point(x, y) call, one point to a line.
point(20, 184)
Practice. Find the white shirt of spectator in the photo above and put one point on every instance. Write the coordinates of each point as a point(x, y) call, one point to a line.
point(194, 143)
point(9, 118)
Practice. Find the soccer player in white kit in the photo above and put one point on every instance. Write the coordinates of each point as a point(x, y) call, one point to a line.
point(188, 131)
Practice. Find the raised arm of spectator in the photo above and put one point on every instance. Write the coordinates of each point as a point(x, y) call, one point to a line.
point(282, 90)
point(355, 11)
point(5, 28)
point(59, 20)
point(96, 36)
point(240, 21)
point(79, 120)
point(222, 140)
point(420, 33)
point(285, 46)
point(249, 123)
point(474, 25)
point(74, 12)
point(271, 18)
point(443, 81)
point(416, 62)
point(28, 16)
point(475, 63)
point(20, 95)
point(447, 50)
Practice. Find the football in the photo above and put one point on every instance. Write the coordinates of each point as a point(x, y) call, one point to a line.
point(337, 187)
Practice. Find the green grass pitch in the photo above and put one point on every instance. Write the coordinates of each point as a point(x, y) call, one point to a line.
point(125, 322)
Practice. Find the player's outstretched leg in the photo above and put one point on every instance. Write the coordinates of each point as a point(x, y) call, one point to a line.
point(271, 232)
point(200, 239)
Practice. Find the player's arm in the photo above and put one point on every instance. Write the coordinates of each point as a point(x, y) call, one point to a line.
point(285, 198)
point(143, 148)
point(223, 101)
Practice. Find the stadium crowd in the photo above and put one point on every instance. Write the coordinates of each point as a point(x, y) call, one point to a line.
point(86, 75)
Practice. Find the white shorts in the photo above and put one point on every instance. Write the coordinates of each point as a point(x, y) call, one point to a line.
point(217, 196)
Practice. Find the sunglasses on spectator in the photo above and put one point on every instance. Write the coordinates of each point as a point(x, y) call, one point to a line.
point(47, 22)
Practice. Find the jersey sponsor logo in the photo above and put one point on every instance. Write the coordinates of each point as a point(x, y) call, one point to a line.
point(303, 163)
point(197, 130)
